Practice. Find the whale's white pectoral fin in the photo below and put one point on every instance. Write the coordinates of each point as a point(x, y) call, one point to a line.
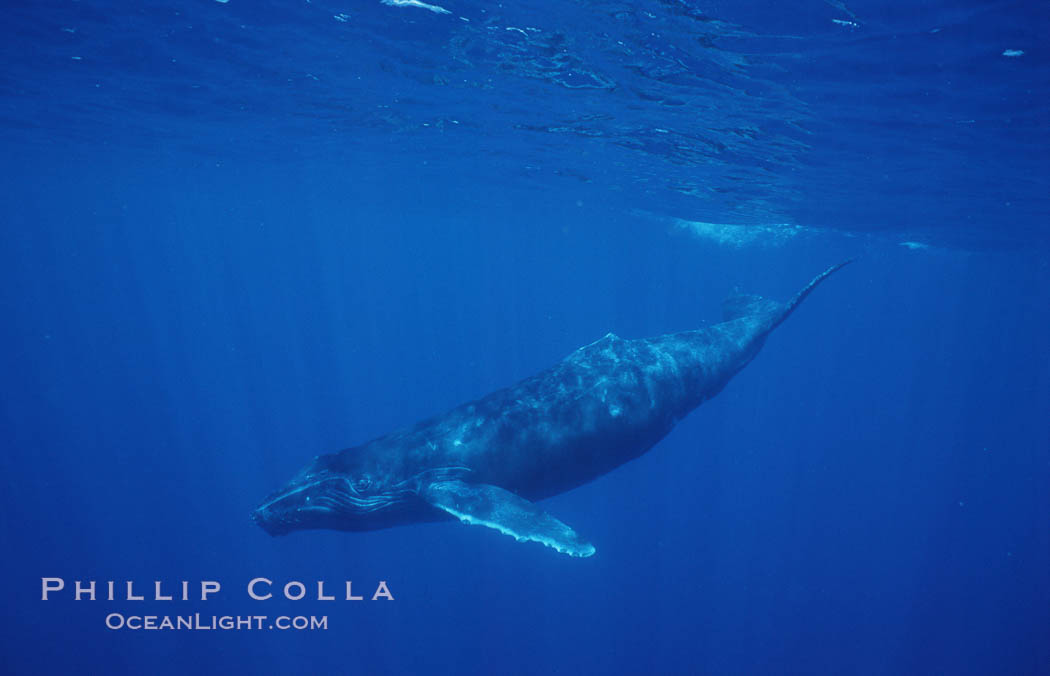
point(508, 513)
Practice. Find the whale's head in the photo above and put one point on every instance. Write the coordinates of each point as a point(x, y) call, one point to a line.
point(336, 491)
point(348, 491)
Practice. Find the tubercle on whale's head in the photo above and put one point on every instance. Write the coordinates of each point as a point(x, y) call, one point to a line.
point(335, 492)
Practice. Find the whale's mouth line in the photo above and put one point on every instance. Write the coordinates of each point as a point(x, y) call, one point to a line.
point(405, 486)
point(284, 495)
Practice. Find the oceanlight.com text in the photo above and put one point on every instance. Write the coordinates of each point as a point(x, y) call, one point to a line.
point(198, 622)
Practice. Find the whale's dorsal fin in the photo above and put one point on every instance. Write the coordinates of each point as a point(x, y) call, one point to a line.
point(743, 305)
point(492, 506)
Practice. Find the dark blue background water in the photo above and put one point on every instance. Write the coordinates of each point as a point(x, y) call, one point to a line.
point(237, 235)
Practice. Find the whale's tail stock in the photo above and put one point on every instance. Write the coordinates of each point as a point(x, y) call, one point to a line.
point(790, 306)
point(739, 305)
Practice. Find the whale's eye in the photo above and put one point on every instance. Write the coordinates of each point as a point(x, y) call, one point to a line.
point(362, 483)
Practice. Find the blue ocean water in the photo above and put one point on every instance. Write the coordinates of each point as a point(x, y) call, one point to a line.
point(239, 234)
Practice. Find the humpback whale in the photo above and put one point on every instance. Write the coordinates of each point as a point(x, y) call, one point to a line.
point(488, 461)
